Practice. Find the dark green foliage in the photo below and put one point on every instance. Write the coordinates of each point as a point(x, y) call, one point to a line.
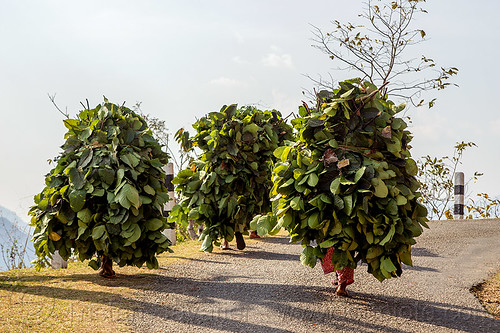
point(349, 182)
point(105, 195)
point(230, 182)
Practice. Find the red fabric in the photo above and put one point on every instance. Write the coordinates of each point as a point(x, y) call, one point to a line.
point(346, 274)
point(326, 262)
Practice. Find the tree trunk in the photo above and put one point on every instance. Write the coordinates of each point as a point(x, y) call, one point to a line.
point(107, 268)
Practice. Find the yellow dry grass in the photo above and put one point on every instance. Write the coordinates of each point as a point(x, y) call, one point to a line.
point(76, 299)
point(488, 294)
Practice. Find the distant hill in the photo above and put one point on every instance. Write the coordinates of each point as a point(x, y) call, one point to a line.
point(13, 229)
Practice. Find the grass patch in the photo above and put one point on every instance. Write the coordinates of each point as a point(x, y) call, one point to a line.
point(488, 293)
point(76, 299)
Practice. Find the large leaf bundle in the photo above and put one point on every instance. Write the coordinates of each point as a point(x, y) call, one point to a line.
point(349, 182)
point(231, 180)
point(105, 195)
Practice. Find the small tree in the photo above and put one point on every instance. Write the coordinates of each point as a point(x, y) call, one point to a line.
point(105, 196)
point(377, 51)
point(436, 177)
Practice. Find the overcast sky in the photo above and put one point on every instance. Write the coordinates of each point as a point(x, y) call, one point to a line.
point(182, 59)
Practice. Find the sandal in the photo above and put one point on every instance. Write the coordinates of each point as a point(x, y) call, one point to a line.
point(342, 293)
point(341, 290)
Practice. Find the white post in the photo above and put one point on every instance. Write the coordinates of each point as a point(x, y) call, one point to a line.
point(57, 261)
point(169, 170)
point(458, 208)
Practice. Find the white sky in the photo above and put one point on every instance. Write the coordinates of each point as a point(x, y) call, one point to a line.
point(182, 59)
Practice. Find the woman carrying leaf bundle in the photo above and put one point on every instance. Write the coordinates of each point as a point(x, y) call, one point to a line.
point(231, 180)
point(104, 198)
point(349, 184)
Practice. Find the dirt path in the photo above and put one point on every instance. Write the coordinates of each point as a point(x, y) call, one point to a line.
point(266, 289)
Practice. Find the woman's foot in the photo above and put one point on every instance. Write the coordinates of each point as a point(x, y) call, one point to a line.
point(240, 242)
point(253, 234)
point(341, 291)
point(224, 245)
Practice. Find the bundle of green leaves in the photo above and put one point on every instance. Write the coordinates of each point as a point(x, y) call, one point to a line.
point(105, 195)
point(230, 182)
point(349, 182)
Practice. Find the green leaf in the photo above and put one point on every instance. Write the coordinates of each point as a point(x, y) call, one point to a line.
point(348, 204)
point(380, 189)
point(279, 151)
point(85, 215)
point(119, 176)
point(233, 202)
point(295, 203)
point(313, 220)
point(327, 244)
point(264, 225)
point(71, 123)
point(108, 175)
point(307, 257)
point(312, 180)
point(98, 232)
point(401, 200)
point(387, 265)
point(130, 159)
point(359, 174)
point(405, 258)
point(86, 158)
point(149, 190)
point(411, 167)
point(285, 153)
point(251, 128)
point(304, 180)
point(335, 186)
point(136, 233)
point(315, 122)
point(207, 244)
point(154, 224)
point(337, 228)
point(131, 194)
point(297, 173)
point(76, 178)
point(285, 220)
point(388, 237)
point(374, 251)
point(77, 199)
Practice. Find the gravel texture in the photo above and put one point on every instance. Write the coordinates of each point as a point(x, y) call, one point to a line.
point(265, 288)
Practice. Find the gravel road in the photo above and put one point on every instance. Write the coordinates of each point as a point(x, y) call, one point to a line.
point(265, 288)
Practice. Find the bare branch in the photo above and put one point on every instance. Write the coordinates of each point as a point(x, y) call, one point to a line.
point(53, 100)
point(376, 51)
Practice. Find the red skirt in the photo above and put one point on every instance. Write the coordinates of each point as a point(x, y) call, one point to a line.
point(344, 275)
